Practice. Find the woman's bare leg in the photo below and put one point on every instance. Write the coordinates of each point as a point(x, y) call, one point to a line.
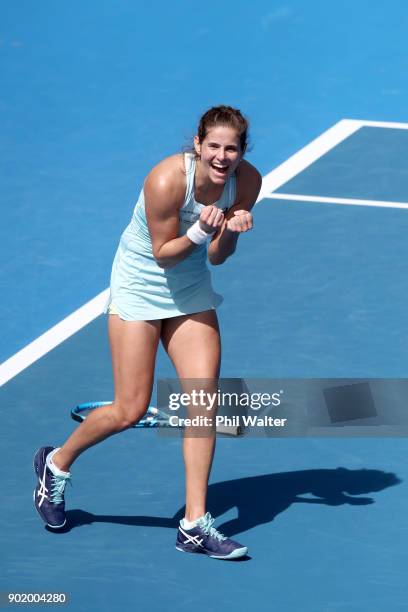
point(193, 344)
point(133, 346)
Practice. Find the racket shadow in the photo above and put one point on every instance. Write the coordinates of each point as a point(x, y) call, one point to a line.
point(274, 494)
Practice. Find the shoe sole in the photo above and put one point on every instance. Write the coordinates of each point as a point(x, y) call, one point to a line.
point(35, 505)
point(235, 554)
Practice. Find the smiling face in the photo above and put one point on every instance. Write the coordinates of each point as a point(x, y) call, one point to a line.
point(220, 153)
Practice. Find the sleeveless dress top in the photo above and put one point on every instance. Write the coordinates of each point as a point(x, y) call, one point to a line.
point(140, 290)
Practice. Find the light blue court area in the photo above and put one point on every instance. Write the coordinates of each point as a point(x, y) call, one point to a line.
point(369, 165)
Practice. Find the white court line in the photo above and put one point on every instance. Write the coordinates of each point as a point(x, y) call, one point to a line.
point(309, 154)
point(53, 337)
point(313, 151)
point(384, 124)
point(348, 201)
point(272, 181)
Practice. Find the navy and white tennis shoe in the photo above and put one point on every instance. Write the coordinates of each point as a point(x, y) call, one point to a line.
point(205, 539)
point(49, 492)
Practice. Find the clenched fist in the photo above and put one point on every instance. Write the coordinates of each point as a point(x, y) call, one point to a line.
point(211, 219)
point(242, 221)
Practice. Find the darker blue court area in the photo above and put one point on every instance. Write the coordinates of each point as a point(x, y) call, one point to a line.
point(369, 165)
point(306, 508)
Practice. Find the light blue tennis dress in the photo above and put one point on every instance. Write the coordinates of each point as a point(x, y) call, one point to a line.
point(140, 290)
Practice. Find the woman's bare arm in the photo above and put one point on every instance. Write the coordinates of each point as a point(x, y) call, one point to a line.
point(164, 191)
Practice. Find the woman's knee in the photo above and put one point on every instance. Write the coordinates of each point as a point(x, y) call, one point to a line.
point(129, 412)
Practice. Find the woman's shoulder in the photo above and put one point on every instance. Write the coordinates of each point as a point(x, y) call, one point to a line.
point(247, 171)
point(170, 168)
point(249, 182)
point(168, 174)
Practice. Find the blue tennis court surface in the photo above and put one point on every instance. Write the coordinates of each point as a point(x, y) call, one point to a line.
point(368, 165)
point(92, 97)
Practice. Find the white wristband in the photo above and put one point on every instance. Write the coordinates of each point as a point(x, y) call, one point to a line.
point(196, 234)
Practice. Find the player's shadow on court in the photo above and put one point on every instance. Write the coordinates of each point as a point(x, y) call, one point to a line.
point(259, 499)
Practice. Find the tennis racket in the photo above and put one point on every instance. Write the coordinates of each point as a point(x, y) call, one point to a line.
point(153, 417)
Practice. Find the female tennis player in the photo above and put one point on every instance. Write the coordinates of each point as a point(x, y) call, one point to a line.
point(161, 290)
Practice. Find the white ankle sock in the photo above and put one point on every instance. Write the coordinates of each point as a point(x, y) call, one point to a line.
point(51, 465)
point(189, 524)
